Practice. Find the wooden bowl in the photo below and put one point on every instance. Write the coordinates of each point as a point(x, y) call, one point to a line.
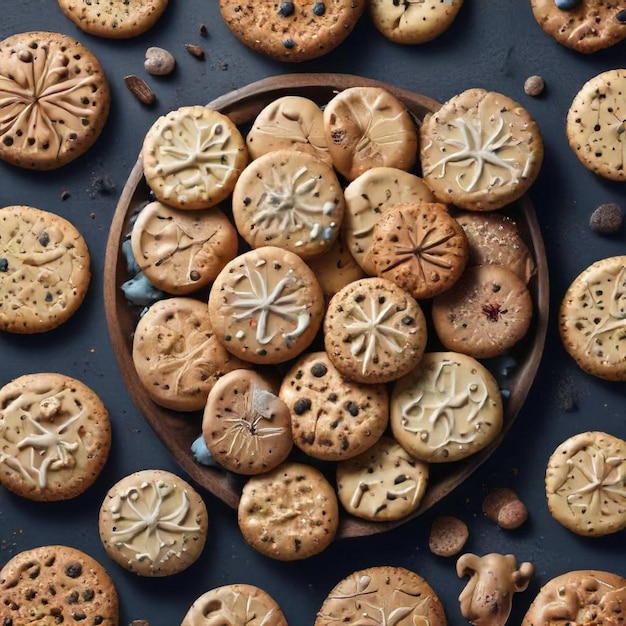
point(178, 431)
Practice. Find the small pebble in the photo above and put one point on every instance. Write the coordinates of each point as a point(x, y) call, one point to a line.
point(140, 291)
point(201, 453)
point(502, 506)
point(607, 219)
point(534, 86)
point(448, 535)
point(159, 62)
point(566, 5)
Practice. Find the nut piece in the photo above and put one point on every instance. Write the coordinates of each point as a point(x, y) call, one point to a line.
point(534, 86)
point(607, 219)
point(448, 535)
point(502, 506)
point(159, 62)
point(140, 89)
point(194, 50)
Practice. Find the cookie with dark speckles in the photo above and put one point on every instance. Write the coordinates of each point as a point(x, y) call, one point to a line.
point(292, 31)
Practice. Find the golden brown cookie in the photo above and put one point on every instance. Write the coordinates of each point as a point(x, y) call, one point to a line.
point(153, 523)
point(392, 595)
point(44, 270)
point(592, 318)
point(446, 409)
point(290, 513)
point(420, 247)
point(58, 584)
point(448, 534)
point(55, 436)
point(374, 331)
point(480, 151)
point(596, 124)
point(245, 425)
point(332, 418)
point(292, 31)
point(586, 484)
point(55, 96)
point(485, 313)
point(589, 26)
point(113, 19)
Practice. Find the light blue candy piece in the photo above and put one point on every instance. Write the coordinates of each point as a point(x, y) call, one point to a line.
point(566, 5)
point(131, 265)
point(201, 453)
point(140, 291)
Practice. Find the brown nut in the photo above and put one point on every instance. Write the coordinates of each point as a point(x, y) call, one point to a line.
point(502, 506)
point(448, 535)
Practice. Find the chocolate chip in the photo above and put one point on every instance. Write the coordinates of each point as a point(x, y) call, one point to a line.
point(621, 16)
point(352, 408)
point(88, 595)
point(286, 9)
point(319, 370)
point(262, 352)
point(29, 594)
point(4, 265)
point(332, 397)
point(607, 219)
point(7, 621)
point(289, 43)
point(407, 320)
point(78, 616)
point(194, 275)
point(319, 8)
point(73, 569)
point(98, 619)
point(44, 239)
point(302, 406)
point(48, 297)
point(72, 598)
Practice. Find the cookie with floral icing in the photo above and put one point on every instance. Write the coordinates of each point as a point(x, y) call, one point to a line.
point(55, 96)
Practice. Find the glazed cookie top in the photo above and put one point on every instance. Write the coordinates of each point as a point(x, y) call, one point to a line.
point(44, 270)
point(55, 436)
point(115, 19)
point(192, 157)
point(480, 150)
point(55, 96)
point(592, 318)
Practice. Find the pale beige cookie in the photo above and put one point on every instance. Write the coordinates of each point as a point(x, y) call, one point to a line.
point(235, 604)
point(413, 22)
point(384, 483)
point(292, 31)
point(153, 523)
point(391, 595)
point(266, 305)
point(177, 355)
point(480, 151)
point(289, 122)
point(291, 200)
point(586, 484)
point(57, 584)
point(596, 124)
point(55, 100)
point(245, 425)
point(192, 157)
point(332, 418)
point(448, 408)
point(114, 19)
point(420, 247)
point(592, 318)
point(44, 270)
point(374, 331)
point(588, 27)
point(55, 436)
point(494, 238)
point(367, 197)
point(369, 127)
point(485, 313)
point(182, 251)
point(579, 597)
point(290, 513)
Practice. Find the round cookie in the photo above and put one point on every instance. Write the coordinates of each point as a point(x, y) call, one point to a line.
point(586, 484)
point(579, 597)
point(448, 408)
point(374, 331)
point(413, 22)
point(58, 584)
point(153, 523)
point(289, 122)
point(332, 418)
point(236, 604)
point(55, 436)
point(44, 270)
point(290, 513)
point(367, 197)
point(177, 355)
point(369, 127)
point(266, 305)
point(393, 595)
point(288, 199)
point(182, 251)
point(589, 26)
point(483, 314)
point(292, 31)
point(56, 100)
point(420, 247)
point(114, 19)
point(246, 426)
point(192, 157)
point(596, 124)
point(592, 318)
point(480, 151)
point(384, 483)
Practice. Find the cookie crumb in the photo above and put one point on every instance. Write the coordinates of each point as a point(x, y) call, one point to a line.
point(502, 506)
point(204, 31)
point(139, 622)
point(195, 50)
point(103, 185)
point(448, 535)
point(140, 89)
point(534, 86)
point(607, 219)
point(65, 194)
